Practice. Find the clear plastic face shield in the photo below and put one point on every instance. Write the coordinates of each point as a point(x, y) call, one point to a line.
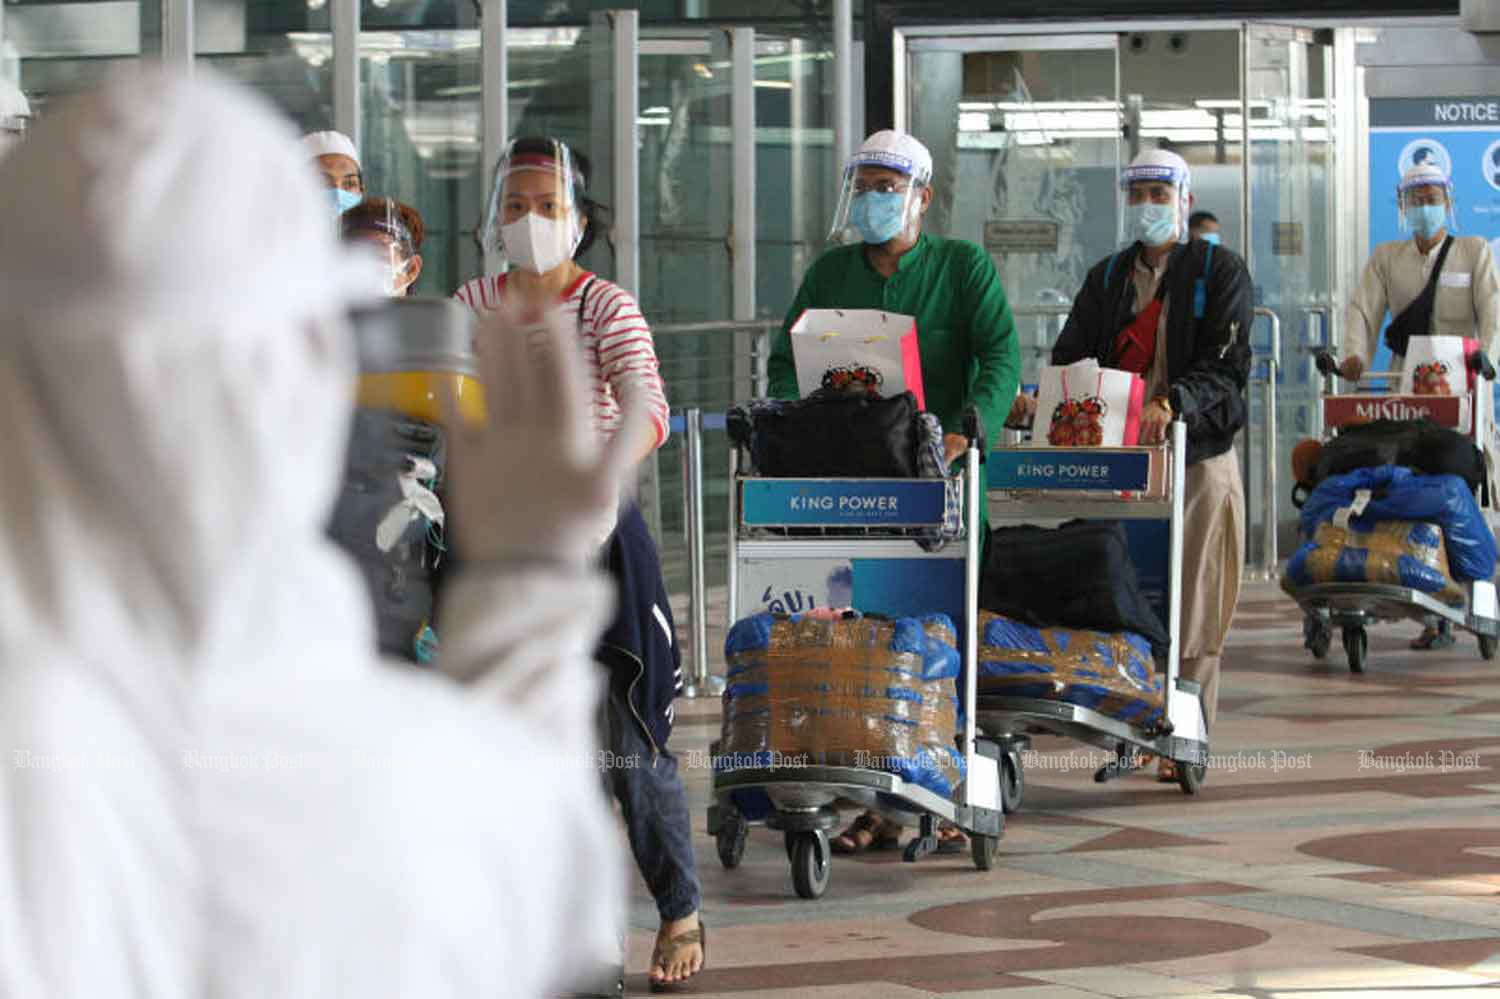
point(376, 227)
point(1158, 199)
point(1424, 199)
point(535, 215)
point(881, 199)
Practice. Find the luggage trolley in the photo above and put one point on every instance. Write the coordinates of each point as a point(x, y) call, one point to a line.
point(1353, 607)
point(1039, 484)
point(777, 525)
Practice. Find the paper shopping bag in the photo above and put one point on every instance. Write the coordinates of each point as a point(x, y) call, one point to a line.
point(1084, 405)
point(1438, 365)
point(857, 350)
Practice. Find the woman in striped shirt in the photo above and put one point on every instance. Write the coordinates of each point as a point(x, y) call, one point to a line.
point(542, 220)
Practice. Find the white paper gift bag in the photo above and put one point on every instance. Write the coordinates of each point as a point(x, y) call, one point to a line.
point(849, 349)
point(1084, 405)
point(1437, 365)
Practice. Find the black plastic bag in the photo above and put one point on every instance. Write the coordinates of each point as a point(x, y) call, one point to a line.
point(830, 435)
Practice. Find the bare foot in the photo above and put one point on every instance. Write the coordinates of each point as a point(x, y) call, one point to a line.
point(678, 955)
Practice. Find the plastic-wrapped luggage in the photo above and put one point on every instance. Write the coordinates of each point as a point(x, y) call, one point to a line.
point(1113, 674)
point(1396, 552)
point(1374, 495)
point(1078, 575)
point(856, 691)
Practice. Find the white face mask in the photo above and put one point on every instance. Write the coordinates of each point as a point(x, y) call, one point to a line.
point(539, 244)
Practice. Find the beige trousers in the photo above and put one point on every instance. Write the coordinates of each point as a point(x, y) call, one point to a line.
point(1213, 559)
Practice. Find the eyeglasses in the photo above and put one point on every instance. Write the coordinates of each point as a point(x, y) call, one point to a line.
point(881, 187)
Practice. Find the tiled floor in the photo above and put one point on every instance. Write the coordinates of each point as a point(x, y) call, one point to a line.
point(1353, 853)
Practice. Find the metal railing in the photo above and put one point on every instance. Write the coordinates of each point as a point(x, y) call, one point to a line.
point(1266, 569)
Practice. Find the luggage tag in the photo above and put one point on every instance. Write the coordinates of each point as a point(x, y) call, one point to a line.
point(1342, 517)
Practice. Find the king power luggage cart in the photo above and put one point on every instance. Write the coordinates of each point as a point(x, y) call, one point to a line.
point(1353, 607)
point(1041, 485)
point(786, 535)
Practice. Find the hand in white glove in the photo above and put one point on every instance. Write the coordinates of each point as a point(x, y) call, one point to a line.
point(535, 481)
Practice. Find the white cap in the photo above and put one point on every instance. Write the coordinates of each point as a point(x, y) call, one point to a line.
point(897, 151)
point(329, 144)
point(1422, 175)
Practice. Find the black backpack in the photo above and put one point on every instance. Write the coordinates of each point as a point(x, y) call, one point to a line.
point(384, 445)
point(1421, 445)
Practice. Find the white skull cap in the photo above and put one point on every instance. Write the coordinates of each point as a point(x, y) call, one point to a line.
point(329, 144)
point(1168, 168)
point(895, 151)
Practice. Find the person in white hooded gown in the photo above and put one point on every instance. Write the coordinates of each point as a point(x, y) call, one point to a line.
point(216, 788)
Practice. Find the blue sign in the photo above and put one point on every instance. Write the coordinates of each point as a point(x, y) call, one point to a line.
point(1049, 468)
point(1460, 136)
point(843, 503)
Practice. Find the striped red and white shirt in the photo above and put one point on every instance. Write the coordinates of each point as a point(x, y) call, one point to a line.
point(617, 342)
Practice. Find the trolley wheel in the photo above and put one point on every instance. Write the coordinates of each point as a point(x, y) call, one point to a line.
point(1012, 785)
point(1487, 647)
point(984, 849)
point(1356, 646)
point(810, 866)
point(1317, 637)
point(1190, 776)
point(730, 839)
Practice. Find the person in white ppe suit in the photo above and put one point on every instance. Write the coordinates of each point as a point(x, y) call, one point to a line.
point(1434, 283)
point(215, 788)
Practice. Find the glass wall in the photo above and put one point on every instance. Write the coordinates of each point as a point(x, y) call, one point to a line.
point(56, 49)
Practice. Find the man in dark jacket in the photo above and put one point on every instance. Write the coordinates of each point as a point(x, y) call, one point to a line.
point(1177, 311)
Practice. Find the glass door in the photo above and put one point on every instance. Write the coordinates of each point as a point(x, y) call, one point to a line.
point(1288, 185)
point(1025, 134)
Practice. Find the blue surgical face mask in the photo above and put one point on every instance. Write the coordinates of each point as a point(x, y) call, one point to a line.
point(1427, 220)
point(1210, 237)
point(341, 201)
point(1154, 225)
point(879, 217)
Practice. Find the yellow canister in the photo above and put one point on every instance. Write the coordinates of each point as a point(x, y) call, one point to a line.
point(415, 351)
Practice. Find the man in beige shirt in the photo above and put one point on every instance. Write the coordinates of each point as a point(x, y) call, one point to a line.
point(1465, 299)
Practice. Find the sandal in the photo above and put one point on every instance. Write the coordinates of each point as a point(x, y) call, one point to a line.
point(868, 832)
point(1166, 771)
point(662, 957)
point(1432, 639)
point(951, 839)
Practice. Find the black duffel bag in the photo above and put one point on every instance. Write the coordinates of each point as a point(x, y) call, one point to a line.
point(1078, 575)
point(1421, 445)
point(834, 435)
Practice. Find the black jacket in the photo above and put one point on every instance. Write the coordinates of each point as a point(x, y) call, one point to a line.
point(1208, 359)
point(640, 647)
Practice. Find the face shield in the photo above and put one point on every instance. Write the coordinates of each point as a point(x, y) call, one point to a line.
point(535, 215)
point(1153, 220)
point(376, 227)
point(1424, 199)
point(881, 198)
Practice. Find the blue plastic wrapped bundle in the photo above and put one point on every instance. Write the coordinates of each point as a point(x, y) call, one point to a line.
point(1113, 674)
point(1400, 494)
point(1394, 552)
point(844, 691)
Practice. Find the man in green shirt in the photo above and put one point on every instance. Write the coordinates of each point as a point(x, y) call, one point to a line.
point(965, 333)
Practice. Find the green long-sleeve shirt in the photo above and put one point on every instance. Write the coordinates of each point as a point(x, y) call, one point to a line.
point(965, 333)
